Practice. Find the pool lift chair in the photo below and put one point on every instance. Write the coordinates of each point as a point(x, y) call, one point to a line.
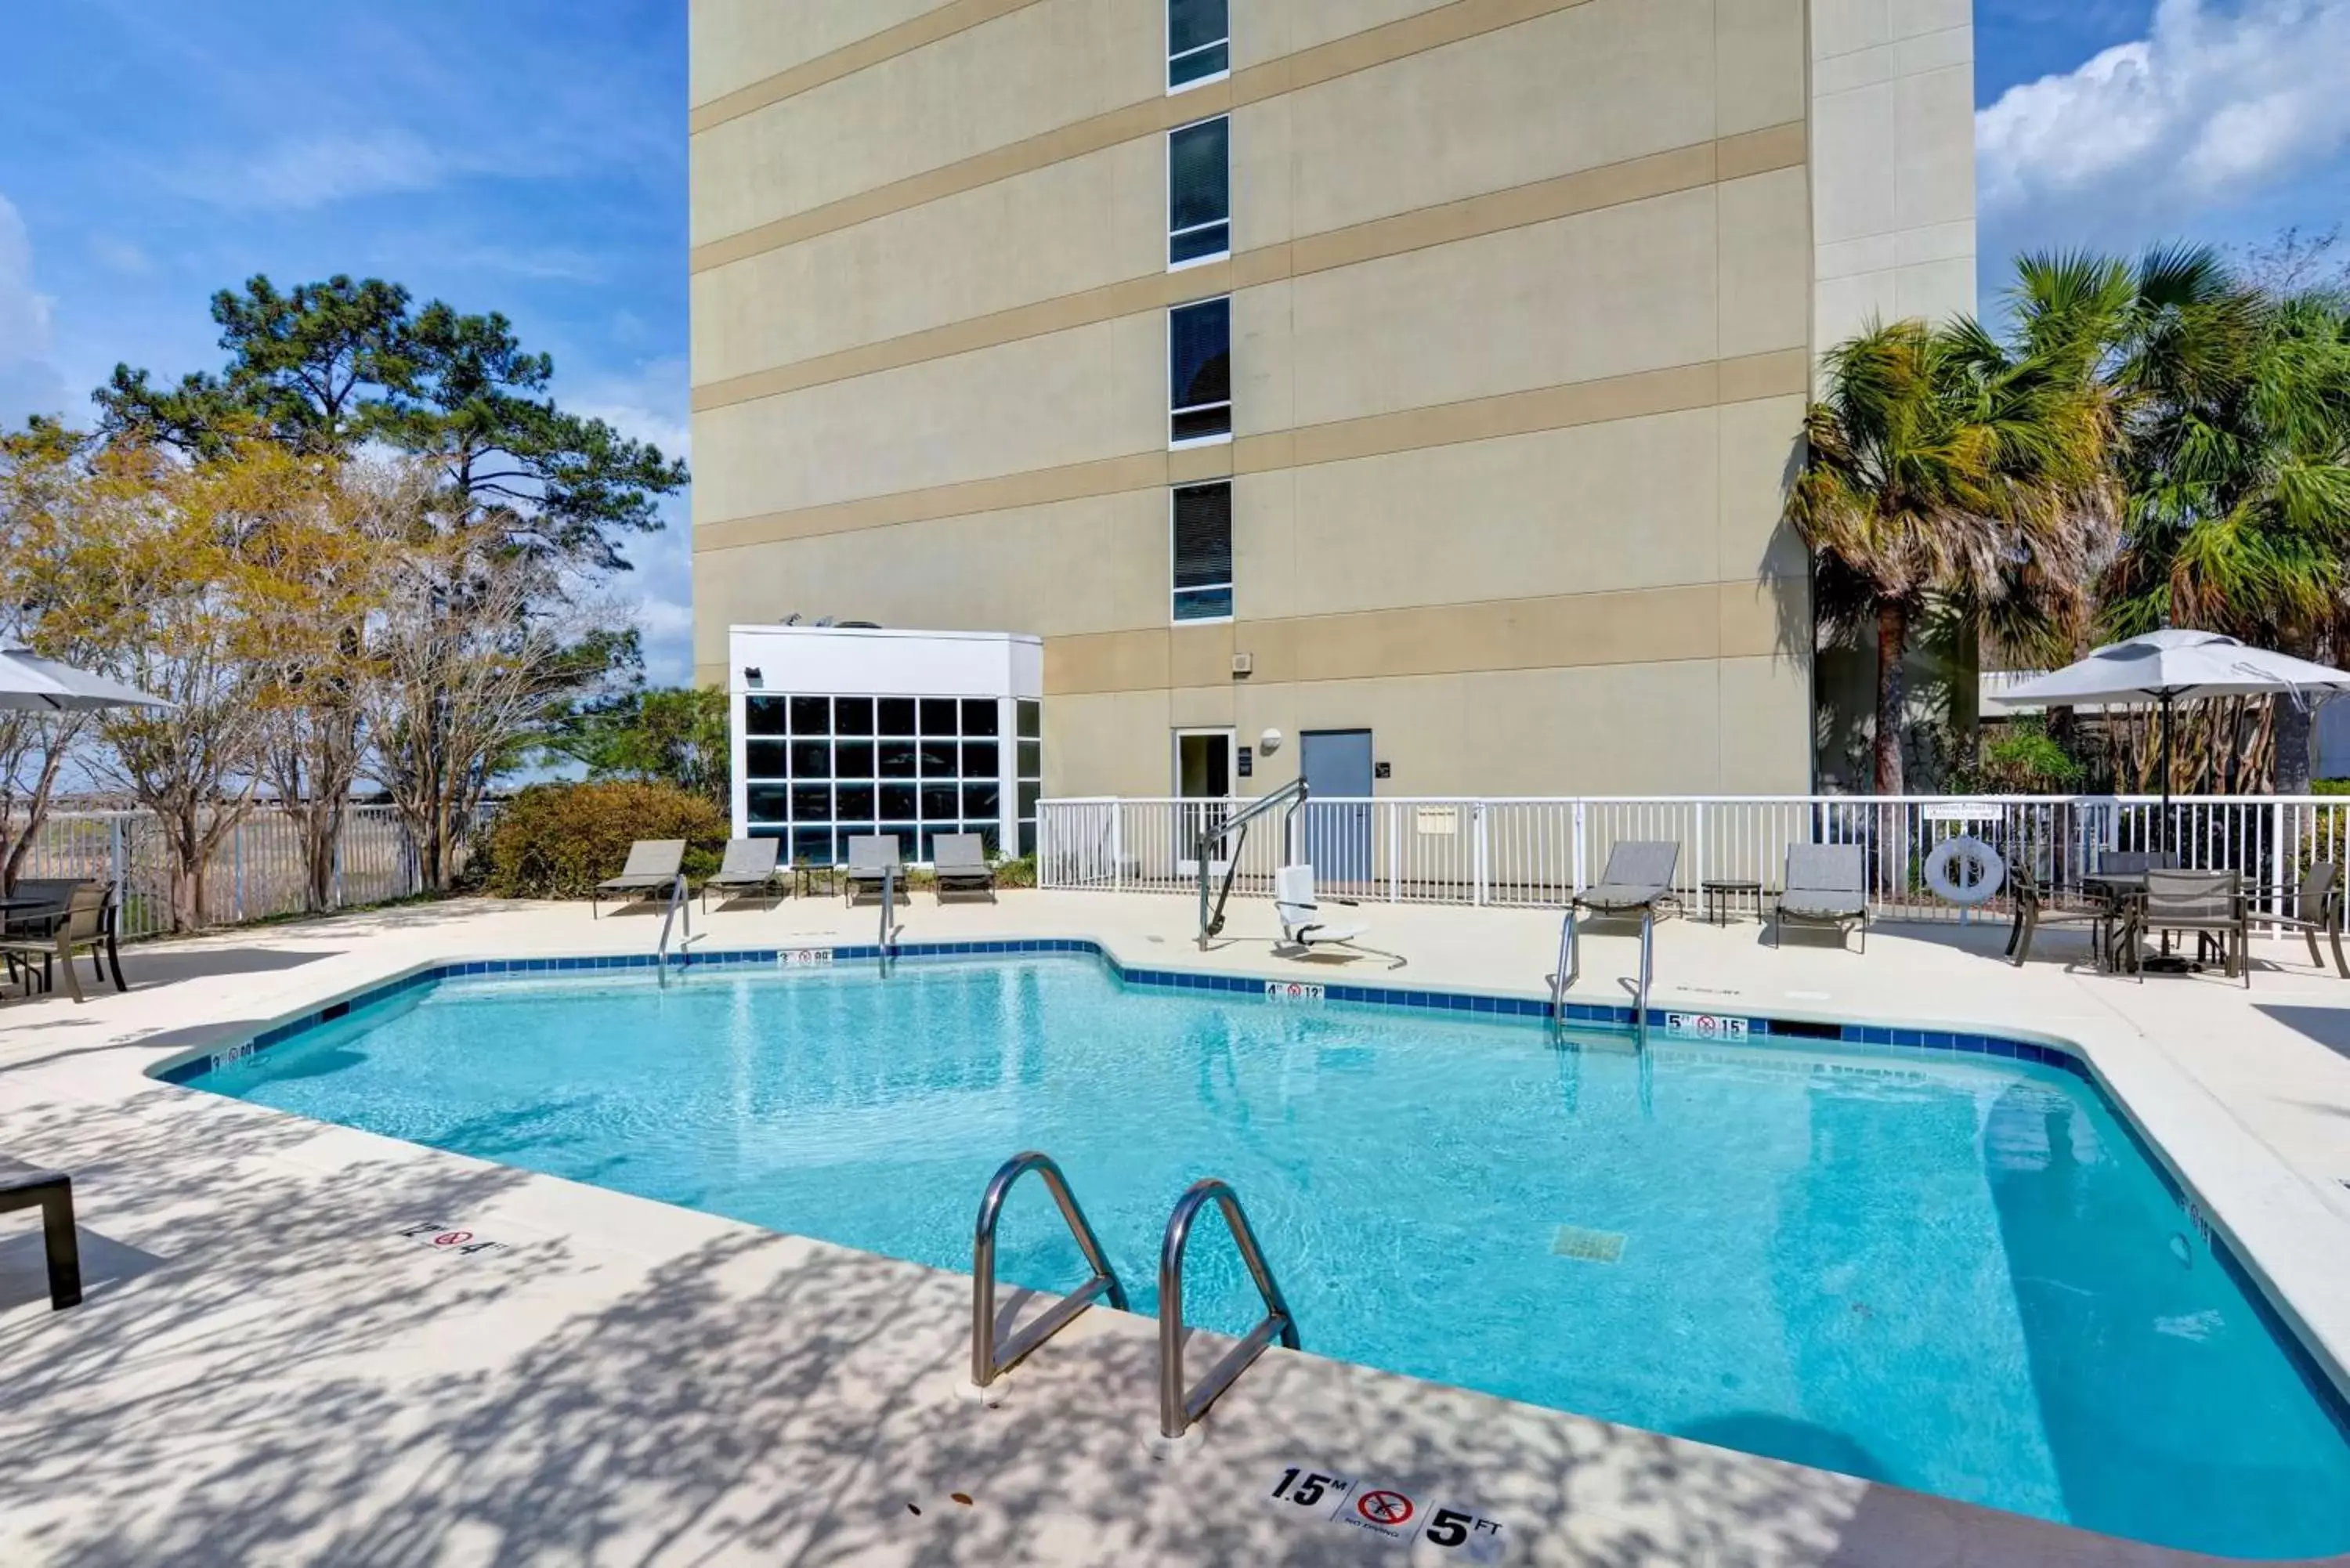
point(1300, 932)
point(1230, 835)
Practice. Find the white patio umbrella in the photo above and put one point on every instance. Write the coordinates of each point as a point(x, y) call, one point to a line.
point(2168, 667)
point(30, 683)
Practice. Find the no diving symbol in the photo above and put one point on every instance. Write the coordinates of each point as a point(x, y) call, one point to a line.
point(452, 1238)
point(1388, 1508)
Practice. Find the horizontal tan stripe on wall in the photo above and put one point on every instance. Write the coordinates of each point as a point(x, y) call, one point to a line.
point(956, 16)
point(1589, 189)
point(1643, 626)
point(1324, 62)
point(1672, 390)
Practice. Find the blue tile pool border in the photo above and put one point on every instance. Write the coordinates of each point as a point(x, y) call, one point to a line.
point(2335, 1397)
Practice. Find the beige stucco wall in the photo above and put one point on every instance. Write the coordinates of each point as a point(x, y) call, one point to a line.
point(1523, 296)
point(1893, 164)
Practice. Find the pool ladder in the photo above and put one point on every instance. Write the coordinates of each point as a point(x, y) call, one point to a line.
point(1179, 1406)
point(1570, 970)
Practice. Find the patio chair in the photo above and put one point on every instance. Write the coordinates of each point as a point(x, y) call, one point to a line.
point(85, 923)
point(959, 861)
point(1302, 930)
point(39, 902)
point(653, 865)
point(1826, 885)
point(749, 867)
point(50, 1191)
point(873, 862)
point(2209, 903)
point(2133, 862)
point(2318, 907)
point(2035, 906)
point(1639, 880)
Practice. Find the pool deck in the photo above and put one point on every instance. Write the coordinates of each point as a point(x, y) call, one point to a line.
point(267, 1370)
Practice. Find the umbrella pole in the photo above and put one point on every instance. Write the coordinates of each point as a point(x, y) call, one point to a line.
point(2166, 772)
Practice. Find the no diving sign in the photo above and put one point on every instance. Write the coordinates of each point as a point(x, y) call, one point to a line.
point(1388, 1513)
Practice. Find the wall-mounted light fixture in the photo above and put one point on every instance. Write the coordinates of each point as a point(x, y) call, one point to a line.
point(752, 676)
point(1269, 743)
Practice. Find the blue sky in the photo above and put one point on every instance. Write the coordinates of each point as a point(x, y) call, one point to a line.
point(529, 156)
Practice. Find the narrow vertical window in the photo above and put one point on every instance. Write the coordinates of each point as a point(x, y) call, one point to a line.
point(1200, 192)
point(1199, 41)
point(1199, 367)
point(1203, 551)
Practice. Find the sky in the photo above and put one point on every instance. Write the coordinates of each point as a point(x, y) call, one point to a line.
point(528, 156)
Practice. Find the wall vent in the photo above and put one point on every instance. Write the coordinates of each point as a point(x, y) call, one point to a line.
point(1244, 664)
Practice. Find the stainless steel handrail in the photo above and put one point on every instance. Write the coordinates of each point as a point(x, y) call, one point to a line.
point(986, 1367)
point(889, 915)
point(1647, 973)
point(1179, 1408)
point(1570, 967)
point(1292, 794)
point(677, 904)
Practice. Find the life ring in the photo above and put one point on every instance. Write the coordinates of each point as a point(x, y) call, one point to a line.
point(1986, 871)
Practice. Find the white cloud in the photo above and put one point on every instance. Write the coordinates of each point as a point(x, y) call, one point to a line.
point(29, 382)
point(2211, 105)
point(315, 171)
point(651, 405)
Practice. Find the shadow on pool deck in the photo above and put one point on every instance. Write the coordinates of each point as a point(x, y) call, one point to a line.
point(281, 1377)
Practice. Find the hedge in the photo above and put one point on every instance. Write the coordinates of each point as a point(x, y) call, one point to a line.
point(558, 840)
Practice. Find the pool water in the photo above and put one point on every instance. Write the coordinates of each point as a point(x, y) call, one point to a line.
point(1951, 1272)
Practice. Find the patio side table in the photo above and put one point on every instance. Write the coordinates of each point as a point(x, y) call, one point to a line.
point(1721, 897)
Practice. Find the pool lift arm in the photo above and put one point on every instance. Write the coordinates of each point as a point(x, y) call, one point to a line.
point(1290, 795)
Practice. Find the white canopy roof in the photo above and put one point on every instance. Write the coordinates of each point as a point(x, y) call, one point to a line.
point(2174, 663)
point(30, 683)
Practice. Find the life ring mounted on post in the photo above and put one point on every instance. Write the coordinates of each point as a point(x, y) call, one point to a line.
point(1983, 874)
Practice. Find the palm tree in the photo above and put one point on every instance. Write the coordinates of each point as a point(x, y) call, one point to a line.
point(1946, 475)
point(2233, 461)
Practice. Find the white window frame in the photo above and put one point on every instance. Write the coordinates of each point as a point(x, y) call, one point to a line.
point(1175, 593)
point(1173, 87)
point(1168, 205)
point(1223, 438)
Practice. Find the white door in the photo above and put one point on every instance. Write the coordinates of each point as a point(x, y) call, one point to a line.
point(1203, 783)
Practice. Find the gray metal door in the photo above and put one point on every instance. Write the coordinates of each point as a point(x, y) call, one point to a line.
point(1338, 768)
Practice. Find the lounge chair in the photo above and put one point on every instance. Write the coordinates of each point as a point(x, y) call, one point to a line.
point(1826, 885)
point(1639, 880)
point(2319, 909)
point(959, 861)
point(2209, 903)
point(1302, 930)
point(749, 867)
point(50, 1191)
point(872, 862)
point(86, 922)
point(652, 867)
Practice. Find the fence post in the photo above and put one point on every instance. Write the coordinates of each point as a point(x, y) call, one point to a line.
point(1117, 845)
point(1576, 891)
point(1394, 852)
point(117, 863)
point(236, 858)
point(1477, 823)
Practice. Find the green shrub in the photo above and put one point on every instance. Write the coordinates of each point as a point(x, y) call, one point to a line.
point(558, 840)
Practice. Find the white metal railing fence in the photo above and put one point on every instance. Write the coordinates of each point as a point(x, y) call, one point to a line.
point(1541, 852)
point(257, 872)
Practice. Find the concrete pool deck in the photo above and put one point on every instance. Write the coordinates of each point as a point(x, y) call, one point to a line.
point(269, 1370)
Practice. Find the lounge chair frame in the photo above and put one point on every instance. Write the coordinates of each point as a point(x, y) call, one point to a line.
point(1823, 895)
point(653, 867)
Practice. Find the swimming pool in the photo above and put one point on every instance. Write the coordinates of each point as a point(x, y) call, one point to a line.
point(1953, 1271)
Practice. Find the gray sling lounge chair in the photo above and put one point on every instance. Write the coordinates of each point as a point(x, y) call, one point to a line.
point(84, 922)
point(959, 862)
point(653, 865)
point(749, 867)
point(1638, 878)
point(1827, 885)
point(50, 1191)
point(872, 861)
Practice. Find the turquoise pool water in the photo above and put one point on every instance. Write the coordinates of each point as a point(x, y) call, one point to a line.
point(1951, 1272)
